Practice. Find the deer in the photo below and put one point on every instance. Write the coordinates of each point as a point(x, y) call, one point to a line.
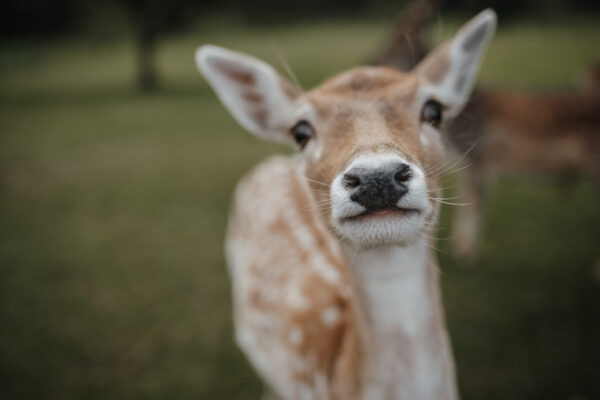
point(406, 44)
point(512, 132)
point(504, 132)
point(329, 250)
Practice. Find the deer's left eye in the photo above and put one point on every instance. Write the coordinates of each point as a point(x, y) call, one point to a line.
point(302, 133)
point(432, 113)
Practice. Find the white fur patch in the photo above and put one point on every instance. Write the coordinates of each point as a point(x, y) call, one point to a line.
point(296, 336)
point(408, 360)
point(330, 316)
point(297, 300)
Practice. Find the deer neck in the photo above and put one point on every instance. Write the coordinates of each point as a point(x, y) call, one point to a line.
point(405, 340)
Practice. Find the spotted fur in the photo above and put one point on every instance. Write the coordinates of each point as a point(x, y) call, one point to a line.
point(328, 303)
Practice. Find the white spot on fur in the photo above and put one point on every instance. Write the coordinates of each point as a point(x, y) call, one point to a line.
point(330, 316)
point(424, 139)
point(296, 300)
point(320, 385)
point(319, 151)
point(296, 336)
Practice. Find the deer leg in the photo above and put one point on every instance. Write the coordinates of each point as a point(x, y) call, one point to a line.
point(466, 218)
point(596, 267)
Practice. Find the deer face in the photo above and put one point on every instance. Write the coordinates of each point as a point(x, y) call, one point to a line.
point(371, 147)
point(370, 137)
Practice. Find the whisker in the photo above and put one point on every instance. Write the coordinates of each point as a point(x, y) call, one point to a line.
point(458, 169)
point(452, 204)
point(321, 204)
point(456, 161)
point(433, 247)
point(287, 68)
point(445, 198)
point(441, 189)
point(330, 164)
point(312, 180)
point(442, 166)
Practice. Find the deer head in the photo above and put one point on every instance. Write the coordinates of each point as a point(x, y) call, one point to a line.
point(370, 138)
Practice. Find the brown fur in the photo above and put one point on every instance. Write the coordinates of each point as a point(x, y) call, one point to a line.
point(341, 101)
point(344, 105)
point(518, 131)
point(332, 351)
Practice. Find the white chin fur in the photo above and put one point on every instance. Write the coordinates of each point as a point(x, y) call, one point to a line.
point(381, 231)
point(371, 231)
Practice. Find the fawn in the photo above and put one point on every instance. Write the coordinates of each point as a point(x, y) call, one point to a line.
point(335, 283)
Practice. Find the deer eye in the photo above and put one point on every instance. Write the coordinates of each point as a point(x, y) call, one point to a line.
point(432, 113)
point(302, 133)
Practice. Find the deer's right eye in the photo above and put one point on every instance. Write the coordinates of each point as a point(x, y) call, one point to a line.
point(432, 113)
point(302, 133)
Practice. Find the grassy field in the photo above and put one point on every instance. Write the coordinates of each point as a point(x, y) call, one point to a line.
point(113, 206)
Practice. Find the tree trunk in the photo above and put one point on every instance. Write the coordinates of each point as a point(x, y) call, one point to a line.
point(146, 42)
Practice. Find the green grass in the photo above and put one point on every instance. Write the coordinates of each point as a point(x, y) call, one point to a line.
point(113, 207)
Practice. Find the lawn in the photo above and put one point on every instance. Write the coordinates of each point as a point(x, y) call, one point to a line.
point(113, 206)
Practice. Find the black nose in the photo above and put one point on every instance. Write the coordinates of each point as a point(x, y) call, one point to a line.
point(378, 189)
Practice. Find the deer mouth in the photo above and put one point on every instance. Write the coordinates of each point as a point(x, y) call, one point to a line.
point(394, 225)
point(381, 214)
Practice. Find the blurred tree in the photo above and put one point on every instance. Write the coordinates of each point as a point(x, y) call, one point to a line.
point(149, 19)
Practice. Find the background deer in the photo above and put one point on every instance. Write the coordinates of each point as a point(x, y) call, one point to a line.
point(329, 251)
point(504, 132)
point(517, 132)
point(406, 45)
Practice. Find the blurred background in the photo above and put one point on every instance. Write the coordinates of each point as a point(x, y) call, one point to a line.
point(117, 164)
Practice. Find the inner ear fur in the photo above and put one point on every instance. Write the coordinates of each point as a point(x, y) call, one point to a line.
point(251, 90)
point(449, 72)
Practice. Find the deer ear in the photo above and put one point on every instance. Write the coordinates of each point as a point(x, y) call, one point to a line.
point(257, 97)
point(449, 71)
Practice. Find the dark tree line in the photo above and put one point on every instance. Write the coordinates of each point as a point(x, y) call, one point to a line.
point(150, 19)
point(20, 18)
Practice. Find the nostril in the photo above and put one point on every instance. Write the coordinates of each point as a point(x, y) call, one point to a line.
point(402, 174)
point(351, 181)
